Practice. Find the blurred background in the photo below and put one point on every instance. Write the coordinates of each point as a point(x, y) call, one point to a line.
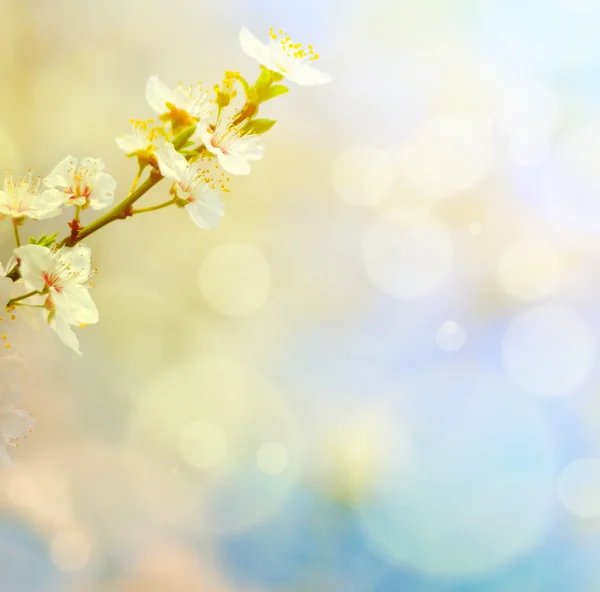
point(380, 373)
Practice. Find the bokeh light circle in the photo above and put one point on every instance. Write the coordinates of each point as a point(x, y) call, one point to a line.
point(529, 270)
point(476, 492)
point(235, 279)
point(363, 174)
point(447, 155)
point(272, 458)
point(450, 336)
point(407, 261)
point(548, 350)
point(579, 487)
point(203, 444)
point(70, 551)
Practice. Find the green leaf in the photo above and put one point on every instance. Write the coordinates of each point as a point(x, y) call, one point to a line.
point(44, 240)
point(273, 91)
point(259, 126)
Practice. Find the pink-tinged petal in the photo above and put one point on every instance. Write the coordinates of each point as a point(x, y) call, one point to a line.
point(62, 174)
point(234, 165)
point(158, 94)
point(306, 75)
point(35, 261)
point(66, 334)
point(253, 47)
point(206, 210)
point(15, 423)
point(75, 305)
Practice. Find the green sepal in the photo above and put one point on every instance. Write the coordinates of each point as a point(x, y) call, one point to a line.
point(272, 92)
point(44, 240)
point(264, 80)
point(183, 137)
point(244, 84)
point(259, 126)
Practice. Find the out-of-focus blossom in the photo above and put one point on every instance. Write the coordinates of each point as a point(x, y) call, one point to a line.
point(284, 57)
point(24, 199)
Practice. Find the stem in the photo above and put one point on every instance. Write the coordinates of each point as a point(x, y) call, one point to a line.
point(19, 298)
point(153, 208)
point(16, 229)
point(77, 212)
point(119, 212)
point(137, 178)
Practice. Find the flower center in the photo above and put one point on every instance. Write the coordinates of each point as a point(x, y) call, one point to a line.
point(291, 49)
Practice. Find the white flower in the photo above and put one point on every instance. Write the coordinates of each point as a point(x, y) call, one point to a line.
point(23, 198)
point(139, 141)
point(63, 276)
point(84, 185)
point(192, 185)
point(14, 425)
point(233, 149)
point(183, 106)
point(284, 57)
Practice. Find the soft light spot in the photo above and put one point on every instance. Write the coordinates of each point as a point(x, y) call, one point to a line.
point(528, 109)
point(447, 155)
point(203, 444)
point(70, 551)
point(528, 150)
point(529, 270)
point(579, 487)
point(22, 490)
point(477, 490)
point(548, 350)
point(474, 228)
point(363, 174)
point(235, 279)
point(272, 458)
point(407, 261)
point(451, 336)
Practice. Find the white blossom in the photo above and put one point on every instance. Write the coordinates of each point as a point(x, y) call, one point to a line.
point(182, 105)
point(192, 185)
point(283, 56)
point(14, 424)
point(24, 199)
point(232, 147)
point(62, 275)
point(84, 185)
point(139, 141)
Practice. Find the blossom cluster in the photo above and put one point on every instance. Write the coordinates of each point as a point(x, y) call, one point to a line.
point(196, 142)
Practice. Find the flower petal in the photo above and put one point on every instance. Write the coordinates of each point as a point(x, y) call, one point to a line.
point(158, 94)
point(35, 261)
point(15, 423)
point(62, 174)
point(253, 47)
point(234, 165)
point(66, 334)
point(206, 210)
point(75, 305)
point(172, 165)
point(306, 75)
